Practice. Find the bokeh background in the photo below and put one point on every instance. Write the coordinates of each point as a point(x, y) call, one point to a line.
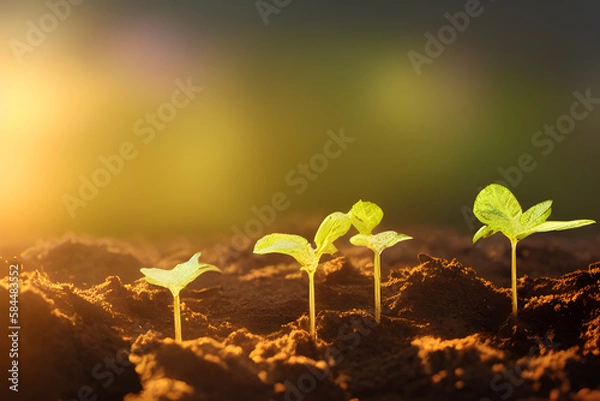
point(424, 143)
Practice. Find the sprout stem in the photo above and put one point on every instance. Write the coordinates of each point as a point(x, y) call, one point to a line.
point(177, 313)
point(513, 276)
point(377, 279)
point(311, 301)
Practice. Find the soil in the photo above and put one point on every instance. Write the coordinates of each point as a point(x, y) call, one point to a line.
point(92, 330)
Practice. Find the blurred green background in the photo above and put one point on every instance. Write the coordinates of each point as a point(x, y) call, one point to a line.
point(424, 144)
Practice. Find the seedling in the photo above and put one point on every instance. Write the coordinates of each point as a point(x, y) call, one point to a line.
point(177, 279)
point(365, 216)
point(333, 227)
point(498, 209)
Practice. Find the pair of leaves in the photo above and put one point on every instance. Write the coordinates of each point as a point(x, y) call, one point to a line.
point(500, 211)
point(379, 242)
point(333, 227)
point(365, 216)
point(180, 276)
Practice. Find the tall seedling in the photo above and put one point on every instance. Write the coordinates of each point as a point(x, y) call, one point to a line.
point(365, 216)
point(498, 209)
point(333, 227)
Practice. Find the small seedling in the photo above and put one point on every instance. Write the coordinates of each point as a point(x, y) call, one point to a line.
point(333, 227)
point(365, 216)
point(177, 279)
point(498, 209)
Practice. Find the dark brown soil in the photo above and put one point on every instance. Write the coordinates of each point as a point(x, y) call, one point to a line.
point(91, 328)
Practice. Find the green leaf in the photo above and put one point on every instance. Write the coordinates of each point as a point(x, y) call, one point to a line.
point(178, 277)
point(379, 242)
point(483, 232)
point(498, 208)
point(333, 227)
point(537, 214)
point(555, 226)
point(390, 238)
point(287, 244)
point(365, 216)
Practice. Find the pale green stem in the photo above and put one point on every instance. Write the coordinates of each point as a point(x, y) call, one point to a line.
point(177, 313)
point(513, 275)
point(311, 304)
point(377, 280)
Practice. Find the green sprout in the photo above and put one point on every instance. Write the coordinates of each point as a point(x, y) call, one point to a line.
point(333, 227)
point(498, 209)
point(365, 216)
point(177, 279)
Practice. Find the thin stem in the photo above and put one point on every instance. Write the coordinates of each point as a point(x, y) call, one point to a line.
point(311, 304)
point(177, 313)
point(377, 280)
point(513, 275)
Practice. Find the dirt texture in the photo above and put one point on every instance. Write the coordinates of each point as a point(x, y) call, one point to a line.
point(92, 329)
